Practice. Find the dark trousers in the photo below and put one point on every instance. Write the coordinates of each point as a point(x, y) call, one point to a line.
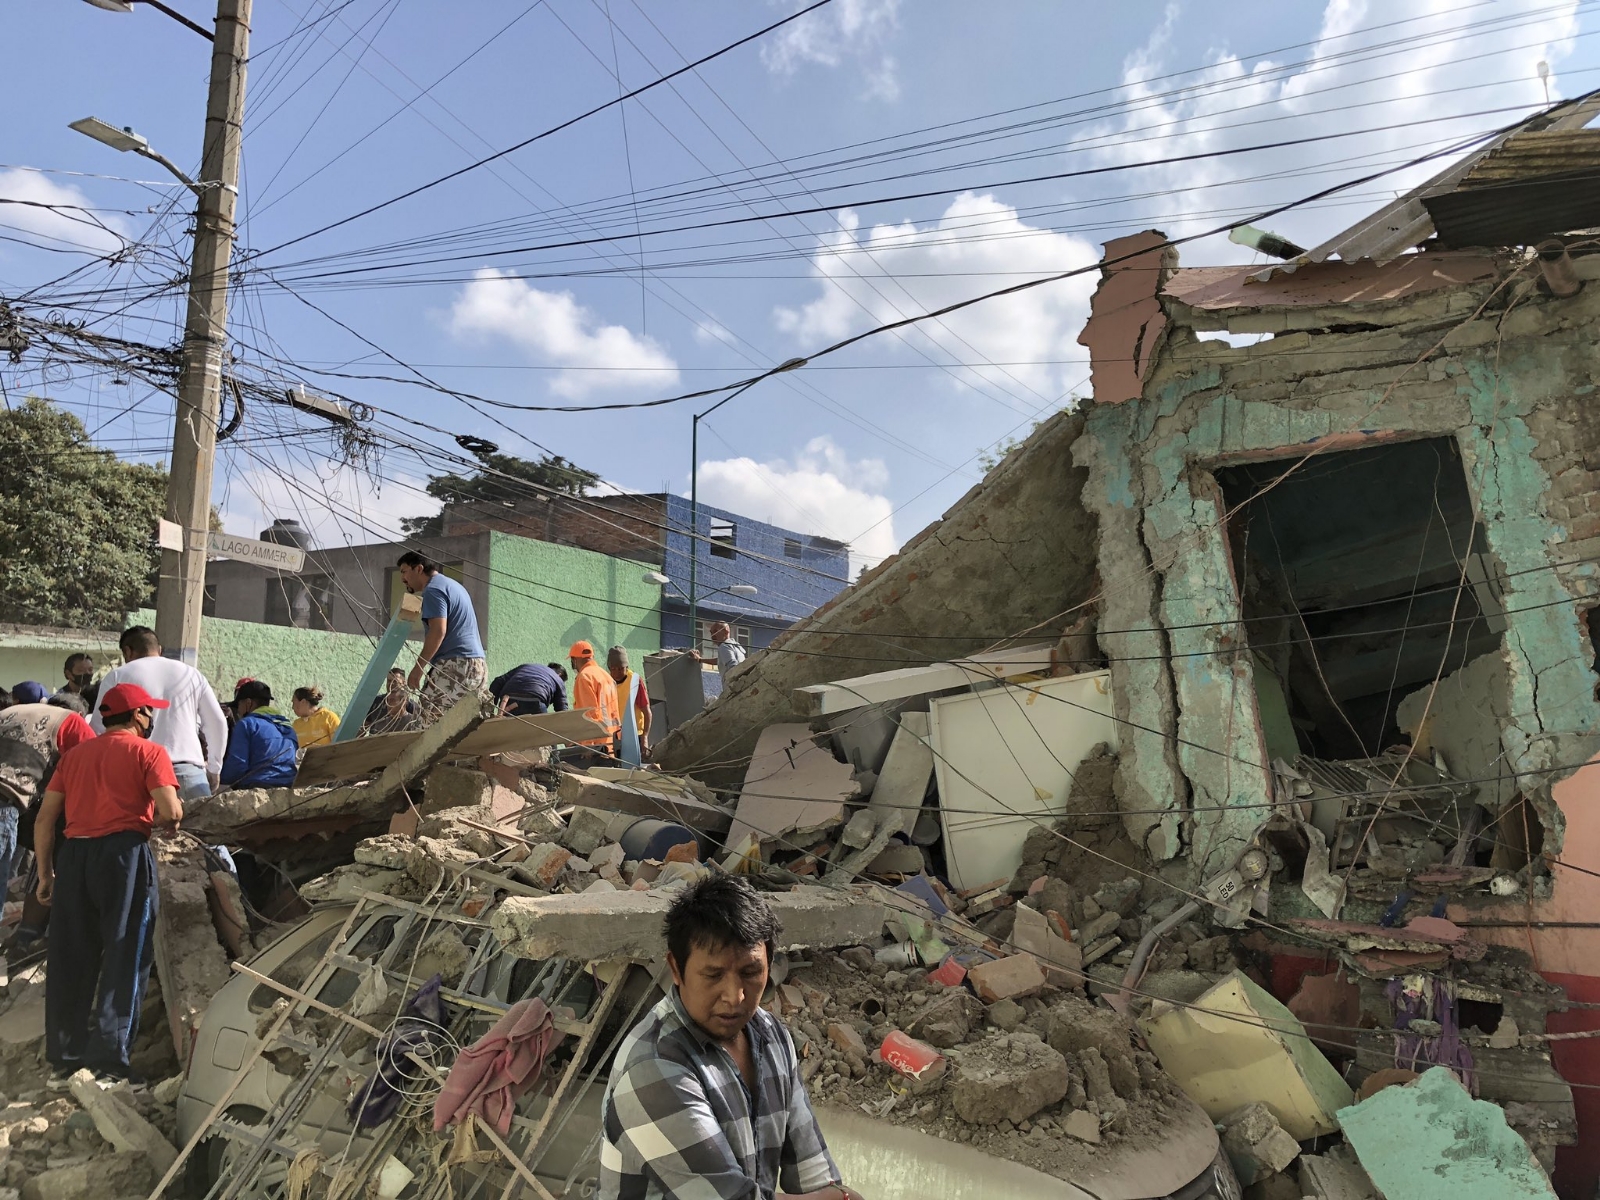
point(102, 923)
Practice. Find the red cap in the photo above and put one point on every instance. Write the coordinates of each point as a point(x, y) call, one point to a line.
point(243, 679)
point(126, 697)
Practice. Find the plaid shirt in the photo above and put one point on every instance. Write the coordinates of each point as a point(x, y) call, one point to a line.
point(678, 1118)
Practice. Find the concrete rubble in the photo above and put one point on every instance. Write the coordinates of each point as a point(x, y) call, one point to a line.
point(1259, 886)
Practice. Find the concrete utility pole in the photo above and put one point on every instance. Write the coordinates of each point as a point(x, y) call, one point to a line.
point(180, 591)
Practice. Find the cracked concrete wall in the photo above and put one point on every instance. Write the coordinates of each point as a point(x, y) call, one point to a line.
point(1015, 554)
point(1508, 384)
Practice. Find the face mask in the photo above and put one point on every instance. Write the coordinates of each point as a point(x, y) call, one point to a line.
point(83, 681)
point(149, 726)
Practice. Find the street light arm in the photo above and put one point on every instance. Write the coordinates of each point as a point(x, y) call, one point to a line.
point(180, 18)
point(157, 156)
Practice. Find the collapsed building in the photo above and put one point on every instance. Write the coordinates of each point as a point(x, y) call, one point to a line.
point(1216, 807)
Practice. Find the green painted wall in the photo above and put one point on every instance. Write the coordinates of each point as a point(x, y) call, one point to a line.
point(283, 656)
point(543, 597)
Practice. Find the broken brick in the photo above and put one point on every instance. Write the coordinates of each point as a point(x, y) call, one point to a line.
point(544, 864)
point(948, 973)
point(684, 852)
point(1006, 978)
point(989, 902)
point(847, 1039)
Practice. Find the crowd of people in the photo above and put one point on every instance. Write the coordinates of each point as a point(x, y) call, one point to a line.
point(88, 771)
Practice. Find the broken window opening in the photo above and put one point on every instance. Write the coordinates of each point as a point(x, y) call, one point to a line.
point(1364, 576)
point(1591, 626)
point(1513, 838)
point(723, 538)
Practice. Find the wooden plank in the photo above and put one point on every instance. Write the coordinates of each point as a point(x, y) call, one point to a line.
point(313, 978)
point(498, 735)
point(596, 1021)
point(819, 699)
point(505, 734)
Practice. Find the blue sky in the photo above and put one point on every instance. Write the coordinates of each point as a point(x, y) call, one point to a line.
point(353, 103)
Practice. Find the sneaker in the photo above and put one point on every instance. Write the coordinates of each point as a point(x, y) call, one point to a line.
point(60, 1078)
point(106, 1080)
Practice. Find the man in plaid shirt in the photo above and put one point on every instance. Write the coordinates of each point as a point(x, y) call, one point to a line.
point(705, 1100)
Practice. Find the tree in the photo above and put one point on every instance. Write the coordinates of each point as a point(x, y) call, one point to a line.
point(489, 485)
point(77, 524)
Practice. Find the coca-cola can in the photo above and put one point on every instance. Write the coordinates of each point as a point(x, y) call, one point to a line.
point(911, 1058)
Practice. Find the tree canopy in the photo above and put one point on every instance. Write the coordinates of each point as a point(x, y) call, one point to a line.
point(490, 485)
point(77, 524)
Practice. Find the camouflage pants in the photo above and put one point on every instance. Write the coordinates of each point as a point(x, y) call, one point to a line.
point(448, 680)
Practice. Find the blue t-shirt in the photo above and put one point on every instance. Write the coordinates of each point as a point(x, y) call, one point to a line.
point(444, 597)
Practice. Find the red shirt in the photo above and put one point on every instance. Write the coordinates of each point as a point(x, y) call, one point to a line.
point(107, 783)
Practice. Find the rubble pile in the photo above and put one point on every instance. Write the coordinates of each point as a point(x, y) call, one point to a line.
point(1066, 1004)
point(1042, 1078)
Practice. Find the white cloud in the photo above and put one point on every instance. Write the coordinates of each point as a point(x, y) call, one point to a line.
point(978, 245)
point(562, 332)
point(58, 227)
point(1437, 70)
point(822, 491)
point(845, 30)
point(340, 506)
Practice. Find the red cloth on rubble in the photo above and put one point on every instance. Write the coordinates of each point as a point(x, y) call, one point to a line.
point(492, 1072)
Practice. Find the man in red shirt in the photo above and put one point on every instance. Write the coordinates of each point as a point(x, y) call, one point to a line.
point(102, 886)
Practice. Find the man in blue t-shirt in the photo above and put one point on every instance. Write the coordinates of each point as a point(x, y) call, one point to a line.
point(451, 650)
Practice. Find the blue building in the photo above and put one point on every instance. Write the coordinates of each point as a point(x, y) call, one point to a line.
point(793, 574)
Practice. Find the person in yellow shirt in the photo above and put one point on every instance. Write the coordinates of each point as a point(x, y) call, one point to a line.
point(594, 693)
point(313, 724)
point(617, 664)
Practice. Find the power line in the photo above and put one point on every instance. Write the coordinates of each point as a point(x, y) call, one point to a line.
point(567, 124)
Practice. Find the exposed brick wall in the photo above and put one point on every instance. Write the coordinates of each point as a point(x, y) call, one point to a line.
point(624, 526)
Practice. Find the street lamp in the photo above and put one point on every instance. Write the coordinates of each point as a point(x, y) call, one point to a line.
point(125, 139)
point(742, 590)
point(180, 586)
point(737, 589)
point(126, 6)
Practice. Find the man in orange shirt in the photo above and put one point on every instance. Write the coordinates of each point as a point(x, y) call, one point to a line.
point(594, 693)
point(102, 886)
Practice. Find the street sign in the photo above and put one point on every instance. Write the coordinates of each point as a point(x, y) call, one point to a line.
point(264, 554)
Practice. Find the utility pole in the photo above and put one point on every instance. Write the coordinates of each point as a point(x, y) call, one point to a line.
point(180, 590)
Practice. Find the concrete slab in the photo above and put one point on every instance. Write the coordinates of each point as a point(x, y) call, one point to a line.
point(817, 700)
point(792, 785)
point(907, 770)
point(600, 926)
point(1432, 1141)
point(644, 794)
point(1238, 1045)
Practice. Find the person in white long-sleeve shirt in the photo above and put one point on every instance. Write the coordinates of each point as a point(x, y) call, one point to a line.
point(193, 728)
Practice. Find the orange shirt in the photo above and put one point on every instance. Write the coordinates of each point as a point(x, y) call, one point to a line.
point(594, 693)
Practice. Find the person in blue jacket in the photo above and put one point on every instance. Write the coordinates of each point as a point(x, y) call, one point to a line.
point(262, 746)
